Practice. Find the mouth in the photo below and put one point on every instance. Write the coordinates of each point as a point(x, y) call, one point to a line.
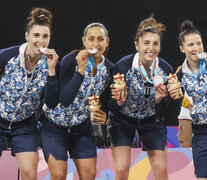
point(93, 51)
point(150, 54)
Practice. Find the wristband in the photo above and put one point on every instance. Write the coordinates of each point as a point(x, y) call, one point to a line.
point(185, 102)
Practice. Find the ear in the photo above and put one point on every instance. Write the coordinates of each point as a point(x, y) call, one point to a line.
point(137, 46)
point(26, 36)
point(84, 41)
point(107, 41)
point(182, 49)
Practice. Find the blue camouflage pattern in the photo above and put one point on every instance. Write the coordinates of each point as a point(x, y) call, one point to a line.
point(78, 112)
point(19, 96)
point(144, 106)
point(196, 87)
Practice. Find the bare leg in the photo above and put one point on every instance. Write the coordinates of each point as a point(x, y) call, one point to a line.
point(121, 156)
point(158, 161)
point(86, 168)
point(57, 168)
point(28, 162)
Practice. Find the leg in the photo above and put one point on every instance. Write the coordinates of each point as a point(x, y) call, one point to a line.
point(57, 168)
point(55, 145)
point(185, 132)
point(121, 157)
point(199, 150)
point(121, 150)
point(158, 161)
point(86, 168)
point(28, 162)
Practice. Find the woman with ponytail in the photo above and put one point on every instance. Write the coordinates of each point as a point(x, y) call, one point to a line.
point(193, 77)
point(25, 70)
point(144, 104)
point(85, 77)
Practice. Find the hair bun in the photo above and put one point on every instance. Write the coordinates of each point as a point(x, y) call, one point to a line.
point(187, 25)
point(41, 15)
point(151, 23)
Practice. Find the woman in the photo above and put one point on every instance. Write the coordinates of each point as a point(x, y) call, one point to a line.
point(68, 126)
point(24, 74)
point(193, 77)
point(144, 103)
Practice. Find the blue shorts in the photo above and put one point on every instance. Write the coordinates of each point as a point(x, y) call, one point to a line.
point(57, 141)
point(199, 148)
point(152, 134)
point(22, 138)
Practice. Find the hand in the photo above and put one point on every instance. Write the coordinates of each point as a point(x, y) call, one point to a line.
point(52, 59)
point(81, 59)
point(115, 95)
point(173, 90)
point(160, 93)
point(98, 116)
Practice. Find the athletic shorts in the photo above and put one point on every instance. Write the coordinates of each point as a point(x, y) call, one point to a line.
point(58, 141)
point(199, 148)
point(152, 134)
point(22, 137)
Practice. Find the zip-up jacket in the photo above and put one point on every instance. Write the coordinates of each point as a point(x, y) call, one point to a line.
point(196, 87)
point(75, 89)
point(19, 94)
point(140, 102)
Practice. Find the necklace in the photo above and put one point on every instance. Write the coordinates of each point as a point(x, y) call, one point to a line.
point(28, 58)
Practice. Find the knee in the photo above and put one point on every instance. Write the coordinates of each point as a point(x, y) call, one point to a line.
point(87, 174)
point(58, 175)
point(185, 144)
point(28, 174)
point(121, 173)
point(159, 169)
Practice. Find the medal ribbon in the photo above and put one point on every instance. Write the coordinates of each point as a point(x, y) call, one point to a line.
point(202, 69)
point(145, 73)
point(91, 59)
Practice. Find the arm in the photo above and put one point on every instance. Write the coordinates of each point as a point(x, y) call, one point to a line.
point(52, 85)
point(52, 89)
point(70, 79)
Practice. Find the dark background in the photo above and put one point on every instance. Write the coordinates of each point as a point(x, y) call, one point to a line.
point(121, 18)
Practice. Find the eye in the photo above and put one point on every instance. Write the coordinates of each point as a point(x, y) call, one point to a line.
point(46, 36)
point(91, 39)
point(157, 43)
point(100, 39)
point(36, 34)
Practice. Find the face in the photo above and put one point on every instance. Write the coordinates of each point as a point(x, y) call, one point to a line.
point(96, 38)
point(148, 47)
point(192, 45)
point(38, 36)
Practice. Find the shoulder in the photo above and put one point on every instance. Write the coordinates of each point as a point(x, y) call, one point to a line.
point(125, 63)
point(9, 52)
point(69, 59)
point(108, 64)
point(165, 66)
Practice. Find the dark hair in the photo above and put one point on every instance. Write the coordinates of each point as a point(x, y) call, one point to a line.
point(39, 16)
point(149, 25)
point(95, 24)
point(186, 28)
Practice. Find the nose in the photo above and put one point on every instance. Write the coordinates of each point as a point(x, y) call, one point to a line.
point(96, 43)
point(151, 47)
point(196, 48)
point(41, 40)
